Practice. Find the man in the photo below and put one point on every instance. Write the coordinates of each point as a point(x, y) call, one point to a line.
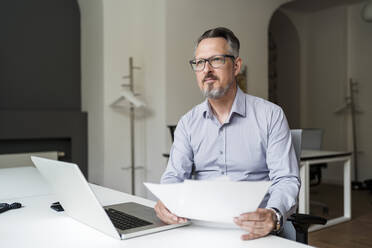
point(236, 135)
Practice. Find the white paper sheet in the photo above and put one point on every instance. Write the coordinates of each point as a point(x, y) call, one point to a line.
point(216, 201)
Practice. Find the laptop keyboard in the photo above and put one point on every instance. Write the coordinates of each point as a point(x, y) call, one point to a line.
point(125, 221)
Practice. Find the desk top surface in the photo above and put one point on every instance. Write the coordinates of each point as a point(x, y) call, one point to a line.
point(21, 182)
point(322, 154)
point(37, 225)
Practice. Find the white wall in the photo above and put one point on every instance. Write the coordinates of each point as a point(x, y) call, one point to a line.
point(92, 83)
point(156, 133)
point(327, 78)
point(326, 73)
point(323, 41)
point(360, 60)
point(134, 28)
point(119, 37)
point(112, 31)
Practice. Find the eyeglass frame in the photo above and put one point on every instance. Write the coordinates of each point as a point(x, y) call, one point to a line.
point(193, 61)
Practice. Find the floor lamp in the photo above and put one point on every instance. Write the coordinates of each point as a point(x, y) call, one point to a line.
point(129, 96)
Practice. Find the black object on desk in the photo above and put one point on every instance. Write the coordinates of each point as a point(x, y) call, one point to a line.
point(5, 206)
point(57, 206)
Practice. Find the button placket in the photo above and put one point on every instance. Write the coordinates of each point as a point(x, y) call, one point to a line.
point(223, 150)
point(220, 144)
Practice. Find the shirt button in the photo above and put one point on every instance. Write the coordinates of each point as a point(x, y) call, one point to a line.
point(221, 152)
point(222, 172)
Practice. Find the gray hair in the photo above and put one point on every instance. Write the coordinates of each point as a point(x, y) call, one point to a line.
point(221, 32)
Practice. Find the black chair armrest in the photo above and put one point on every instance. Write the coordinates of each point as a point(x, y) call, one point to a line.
point(301, 223)
point(307, 219)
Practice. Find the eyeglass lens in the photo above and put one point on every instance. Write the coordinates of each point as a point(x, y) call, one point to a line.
point(215, 61)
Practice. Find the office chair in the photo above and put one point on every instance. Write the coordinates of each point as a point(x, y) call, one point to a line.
point(301, 222)
point(172, 128)
point(312, 140)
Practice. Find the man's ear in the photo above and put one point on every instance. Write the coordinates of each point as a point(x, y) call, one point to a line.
point(237, 66)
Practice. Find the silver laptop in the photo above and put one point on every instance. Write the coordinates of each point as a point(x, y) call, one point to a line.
point(121, 221)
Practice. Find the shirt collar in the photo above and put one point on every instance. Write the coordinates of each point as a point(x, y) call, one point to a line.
point(237, 107)
point(239, 103)
point(206, 109)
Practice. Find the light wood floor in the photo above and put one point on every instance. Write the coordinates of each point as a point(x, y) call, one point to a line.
point(356, 233)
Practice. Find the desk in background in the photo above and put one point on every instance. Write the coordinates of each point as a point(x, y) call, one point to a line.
point(37, 225)
point(309, 157)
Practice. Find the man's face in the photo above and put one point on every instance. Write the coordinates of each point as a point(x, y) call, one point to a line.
point(215, 82)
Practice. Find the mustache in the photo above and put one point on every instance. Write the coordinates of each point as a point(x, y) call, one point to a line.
point(210, 76)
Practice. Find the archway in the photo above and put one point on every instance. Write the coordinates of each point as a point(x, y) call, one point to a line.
point(284, 67)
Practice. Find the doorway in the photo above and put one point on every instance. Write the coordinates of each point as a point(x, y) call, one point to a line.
point(284, 67)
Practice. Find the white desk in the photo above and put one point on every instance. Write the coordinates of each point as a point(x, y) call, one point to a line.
point(36, 225)
point(26, 183)
point(309, 157)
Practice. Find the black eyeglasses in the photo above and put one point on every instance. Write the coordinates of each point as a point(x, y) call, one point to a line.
point(215, 61)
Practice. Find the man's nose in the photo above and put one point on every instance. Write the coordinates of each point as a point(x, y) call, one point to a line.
point(207, 67)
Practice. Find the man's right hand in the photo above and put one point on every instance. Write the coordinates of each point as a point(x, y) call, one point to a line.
point(166, 216)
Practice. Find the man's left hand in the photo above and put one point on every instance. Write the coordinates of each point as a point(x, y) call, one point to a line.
point(258, 224)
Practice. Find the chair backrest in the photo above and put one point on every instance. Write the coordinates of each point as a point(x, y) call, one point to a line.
point(172, 128)
point(312, 138)
point(296, 142)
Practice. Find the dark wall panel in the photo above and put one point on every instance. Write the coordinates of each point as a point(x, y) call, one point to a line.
point(40, 131)
point(40, 82)
point(40, 55)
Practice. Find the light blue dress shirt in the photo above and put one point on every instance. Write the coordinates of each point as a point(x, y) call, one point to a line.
point(253, 144)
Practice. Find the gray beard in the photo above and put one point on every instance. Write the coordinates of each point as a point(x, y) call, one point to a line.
point(216, 93)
